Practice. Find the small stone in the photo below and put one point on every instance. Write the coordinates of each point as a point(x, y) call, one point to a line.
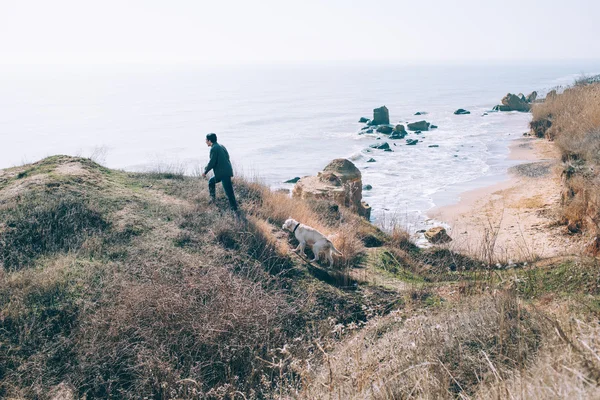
point(461, 111)
point(382, 146)
point(367, 187)
point(437, 235)
point(371, 160)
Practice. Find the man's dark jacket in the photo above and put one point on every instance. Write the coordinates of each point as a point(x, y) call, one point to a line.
point(219, 162)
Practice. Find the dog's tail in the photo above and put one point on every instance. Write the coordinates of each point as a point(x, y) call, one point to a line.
point(336, 251)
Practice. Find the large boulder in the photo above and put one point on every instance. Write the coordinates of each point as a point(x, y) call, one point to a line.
point(437, 235)
point(340, 182)
point(512, 102)
point(381, 116)
point(419, 126)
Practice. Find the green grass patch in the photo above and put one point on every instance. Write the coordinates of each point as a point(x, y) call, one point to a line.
point(564, 279)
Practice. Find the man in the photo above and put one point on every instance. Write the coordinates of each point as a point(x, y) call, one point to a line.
point(221, 166)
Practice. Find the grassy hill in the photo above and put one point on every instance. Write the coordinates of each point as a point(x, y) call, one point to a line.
point(128, 285)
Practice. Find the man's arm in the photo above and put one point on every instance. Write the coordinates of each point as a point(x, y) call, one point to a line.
point(213, 160)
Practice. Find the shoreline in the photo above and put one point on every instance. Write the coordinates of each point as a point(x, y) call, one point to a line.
point(515, 219)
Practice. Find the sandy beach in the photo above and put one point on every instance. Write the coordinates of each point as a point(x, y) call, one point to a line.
point(515, 219)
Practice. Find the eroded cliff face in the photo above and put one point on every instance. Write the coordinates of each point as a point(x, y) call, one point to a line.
point(340, 182)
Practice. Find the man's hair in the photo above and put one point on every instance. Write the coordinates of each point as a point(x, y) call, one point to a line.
point(212, 137)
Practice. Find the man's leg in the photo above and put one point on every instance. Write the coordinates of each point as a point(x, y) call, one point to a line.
point(228, 188)
point(212, 189)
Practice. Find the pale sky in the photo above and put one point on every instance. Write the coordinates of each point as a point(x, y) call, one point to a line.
point(280, 31)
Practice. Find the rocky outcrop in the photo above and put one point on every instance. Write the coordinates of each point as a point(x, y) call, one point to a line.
point(437, 235)
point(531, 97)
point(515, 103)
point(340, 182)
point(419, 126)
point(293, 180)
point(461, 111)
point(512, 102)
point(381, 116)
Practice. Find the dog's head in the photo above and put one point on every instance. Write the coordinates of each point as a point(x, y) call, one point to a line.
point(289, 224)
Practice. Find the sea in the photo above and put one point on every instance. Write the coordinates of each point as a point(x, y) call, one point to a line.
point(284, 121)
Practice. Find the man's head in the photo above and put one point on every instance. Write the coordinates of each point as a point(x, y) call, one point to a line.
point(211, 139)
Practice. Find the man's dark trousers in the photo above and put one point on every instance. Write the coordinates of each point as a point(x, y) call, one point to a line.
point(227, 187)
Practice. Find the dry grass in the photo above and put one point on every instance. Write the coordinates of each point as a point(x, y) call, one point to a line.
point(573, 122)
point(343, 228)
point(128, 285)
point(568, 366)
point(430, 356)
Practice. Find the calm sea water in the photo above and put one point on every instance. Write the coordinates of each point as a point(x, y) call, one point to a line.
point(280, 122)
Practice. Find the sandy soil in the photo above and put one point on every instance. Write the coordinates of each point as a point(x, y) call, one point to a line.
point(516, 219)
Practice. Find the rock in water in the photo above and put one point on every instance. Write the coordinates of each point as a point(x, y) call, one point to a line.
point(385, 129)
point(371, 160)
point(461, 111)
point(437, 235)
point(397, 135)
point(419, 126)
point(363, 120)
point(400, 128)
point(293, 180)
point(382, 146)
point(514, 103)
point(340, 182)
point(381, 116)
point(411, 142)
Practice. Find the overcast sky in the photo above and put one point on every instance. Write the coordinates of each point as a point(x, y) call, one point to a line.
point(274, 31)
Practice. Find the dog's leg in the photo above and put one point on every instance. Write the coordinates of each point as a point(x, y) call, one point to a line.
point(316, 250)
point(300, 247)
point(330, 258)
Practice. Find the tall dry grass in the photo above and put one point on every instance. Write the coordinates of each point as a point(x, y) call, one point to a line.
point(341, 226)
point(440, 356)
point(572, 120)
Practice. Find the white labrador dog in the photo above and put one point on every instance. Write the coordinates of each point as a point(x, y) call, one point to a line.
point(307, 235)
